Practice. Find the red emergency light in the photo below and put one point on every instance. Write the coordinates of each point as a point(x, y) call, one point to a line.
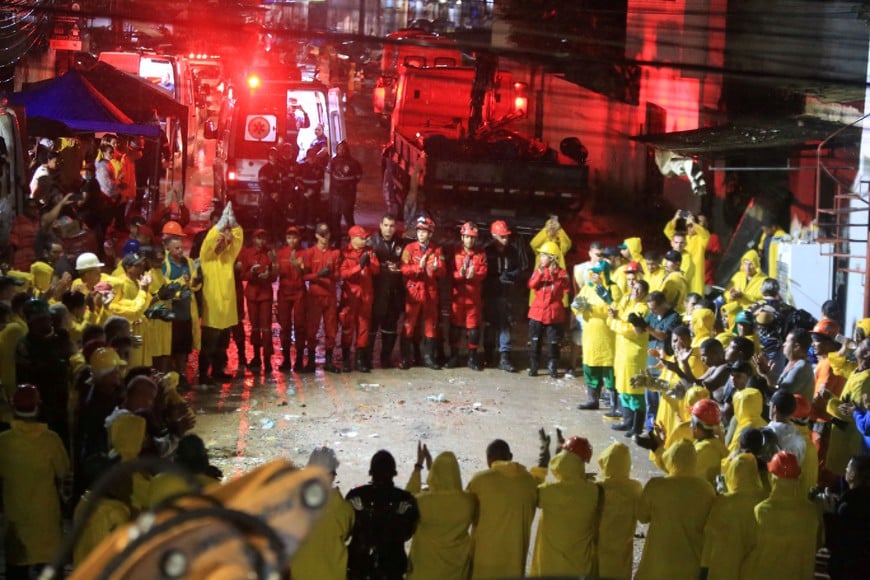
point(253, 82)
point(521, 100)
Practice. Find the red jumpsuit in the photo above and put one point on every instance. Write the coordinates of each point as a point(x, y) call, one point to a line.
point(421, 287)
point(466, 305)
point(550, 288)
point(23, 237)
point(258, 296)
point(291, 295)
point(357, 296)
point(321, 302)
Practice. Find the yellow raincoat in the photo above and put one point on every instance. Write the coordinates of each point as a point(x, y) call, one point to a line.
point(749, 288)
point(673, 414)
point(656, 279)
point(194, 308)
point(696, 247)
point(131, 302)
point(845, 438)
point(565, 542)
point(563, 241)
point(630, 347)
point(748, 405)
point(32, 460)
point(773, 250)
point(507, 496)
point(810, 465)
point(41, 274)
point(635, 248)
point(598, 338)
point(166, 485)
point(109, 515)
point(126, 438)
point(676, 508)
point(158, 336)
point(218, 287)
point(730, 533)
point(619, 517)
point(703, 320)
point(789, 531)
point(710, 453)
point(441, 547)
point(323, 554)
point(9, 337)
point(675, 288)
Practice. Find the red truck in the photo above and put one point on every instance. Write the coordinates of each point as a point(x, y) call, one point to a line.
point(436, 163)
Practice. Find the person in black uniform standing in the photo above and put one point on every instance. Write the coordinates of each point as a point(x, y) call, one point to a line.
point(502, 269)
point(386, 517)
point(344, 175)
point(389, 290)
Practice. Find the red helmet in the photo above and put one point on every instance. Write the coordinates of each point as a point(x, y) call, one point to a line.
point(707, 412)
point(826, 327)
point(499, 228)
point(26, 400)
point(468, 229)
point(425, 223)
point(171, 228)
point(784, 465)
point(632, 268)
point(579, 446)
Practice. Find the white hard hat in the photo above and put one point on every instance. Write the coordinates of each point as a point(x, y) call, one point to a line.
point(88, 261)
point(324, 457)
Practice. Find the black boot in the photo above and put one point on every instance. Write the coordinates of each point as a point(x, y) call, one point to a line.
point(311, 365)
point(406, 348)
point(299, 362)
point(286, 364)
point(504, 362)
point(363, 357)
point(256, 363)
point(267, 362)
point(454, 336)
point(591, 403)
point(637, 423)
point(473, 362)
point(627, 420)
point(346, 365)
point(330, 366)
point(533, 363)
point(614, 411)
point(428, 350)
point(388, 341)
point(553, 362)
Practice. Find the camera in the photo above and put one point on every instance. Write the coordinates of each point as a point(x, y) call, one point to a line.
point(685, 214)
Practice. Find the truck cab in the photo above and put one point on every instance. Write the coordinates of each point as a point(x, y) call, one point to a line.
point(260, 116)
point(13, 171)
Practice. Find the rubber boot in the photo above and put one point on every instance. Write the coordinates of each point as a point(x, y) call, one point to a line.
point(591, 403)
point(363, 356)
point(286, 365)
point(614, 411)
point(627, 420)
point(328, 365)
point(311, 365)
point(637, 423)
point(267, 362)
point(504, 362)
point(299, 363)
point(473, 362)
point(346, 365)
point(553, 362)
point(388, 342)
point(534, 357)
point(428, 350)
point(256, 363)
point(406, 350)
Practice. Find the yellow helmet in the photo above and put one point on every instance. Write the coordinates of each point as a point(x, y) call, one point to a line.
point(551, 248)
point(105, 359)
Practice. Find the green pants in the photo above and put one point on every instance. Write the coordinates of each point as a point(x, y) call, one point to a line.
point(632, 402)
point(595, 376)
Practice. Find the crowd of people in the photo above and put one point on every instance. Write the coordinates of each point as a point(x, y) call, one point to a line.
point(748, 405)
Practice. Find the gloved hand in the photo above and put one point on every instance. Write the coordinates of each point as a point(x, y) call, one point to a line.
point(642, 380)
point(580, 304)
point(168, 291)
point(224, 221)
point(637, 320)
point(365, 259)
point(560, 438)
point(324, 273)
point(505, 278)
point(604, 294)
point(544, 456)
point(648, 440)
point(231, 216)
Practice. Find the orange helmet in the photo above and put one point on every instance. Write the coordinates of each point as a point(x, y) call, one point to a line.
point(26, 400)
point(172, 229)
point(468, 229)
point(499, 228)
point(707, 412)
point(784, 465)
point(826, 327)
point(579, 446)
point(802, 408)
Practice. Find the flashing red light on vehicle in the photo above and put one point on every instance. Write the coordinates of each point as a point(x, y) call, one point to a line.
point(521, 100)
point(231, 176)
point(253, 82)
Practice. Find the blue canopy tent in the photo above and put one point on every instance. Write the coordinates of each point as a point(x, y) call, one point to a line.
point(73, 101)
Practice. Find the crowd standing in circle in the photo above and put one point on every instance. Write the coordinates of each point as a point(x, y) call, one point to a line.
point(749, 406)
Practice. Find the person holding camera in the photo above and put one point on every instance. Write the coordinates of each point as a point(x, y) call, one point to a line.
point(184, 278)
point(690, 238)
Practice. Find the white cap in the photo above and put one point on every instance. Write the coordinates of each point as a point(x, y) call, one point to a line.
point(324, 457)
point(88, 261)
